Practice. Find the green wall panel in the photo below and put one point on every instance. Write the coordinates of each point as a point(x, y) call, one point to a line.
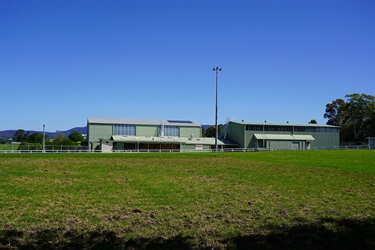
point(188, 131)
point(100, 131)
point(144, 130)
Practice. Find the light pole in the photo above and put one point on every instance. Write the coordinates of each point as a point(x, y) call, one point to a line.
point(44, 138)
point(217, 69)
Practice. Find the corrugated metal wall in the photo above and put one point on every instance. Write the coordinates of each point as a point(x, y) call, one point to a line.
point(245, 138)
point(97, 132)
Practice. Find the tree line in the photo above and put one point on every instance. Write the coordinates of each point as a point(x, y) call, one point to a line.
point(74, 138)
point(355, 115)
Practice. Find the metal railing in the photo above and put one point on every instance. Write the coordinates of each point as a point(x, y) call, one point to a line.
point(37, 148)
point(56, 149)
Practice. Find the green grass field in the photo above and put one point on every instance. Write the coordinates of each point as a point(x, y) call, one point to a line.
point(274, 200)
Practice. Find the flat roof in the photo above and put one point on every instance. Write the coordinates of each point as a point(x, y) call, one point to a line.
point(142, 122)
point(285, 124)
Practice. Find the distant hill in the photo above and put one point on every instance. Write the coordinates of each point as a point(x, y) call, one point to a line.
point(10, 133)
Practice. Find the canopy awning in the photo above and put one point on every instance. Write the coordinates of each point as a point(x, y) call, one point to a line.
point(165, 140)
point(282, 137)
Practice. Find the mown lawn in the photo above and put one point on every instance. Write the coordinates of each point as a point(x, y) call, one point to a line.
point(275, 200)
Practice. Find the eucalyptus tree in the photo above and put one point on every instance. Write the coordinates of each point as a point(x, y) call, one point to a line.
point(355, 116)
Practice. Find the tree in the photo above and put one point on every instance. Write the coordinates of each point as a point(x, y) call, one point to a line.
point(336, 112)
point(210, 131)
point(356, 116)
point(35, 138)
point(370, 122)
point(3, 140)
point(20, 136)
point(60, 139)
point(313, 121)
point(76, 136)
point(360, 108)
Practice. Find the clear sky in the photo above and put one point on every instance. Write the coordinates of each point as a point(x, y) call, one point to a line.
point(64, 61)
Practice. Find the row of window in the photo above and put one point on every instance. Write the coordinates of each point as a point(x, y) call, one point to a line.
point(291, 129)
point(171, 131)
point(123, 129)
point(130, 130)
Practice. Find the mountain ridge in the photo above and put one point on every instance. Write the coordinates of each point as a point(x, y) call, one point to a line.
point(10, 133)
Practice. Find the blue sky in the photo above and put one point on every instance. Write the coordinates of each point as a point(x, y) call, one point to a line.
point(62, 62)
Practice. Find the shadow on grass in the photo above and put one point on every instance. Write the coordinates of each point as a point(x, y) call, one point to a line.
point(324, 234)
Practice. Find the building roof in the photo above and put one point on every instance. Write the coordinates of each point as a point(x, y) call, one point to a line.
point(166, 140)
point(282, 137)
point(142, 122)
point(285, 124)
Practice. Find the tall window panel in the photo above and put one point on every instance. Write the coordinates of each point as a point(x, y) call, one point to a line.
point(171, 131)
point(124, 129)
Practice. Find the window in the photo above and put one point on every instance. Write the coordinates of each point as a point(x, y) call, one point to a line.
point(299, 129)
point(269, 128)
point(254, 127)
point(171, 131)
point(327, 130)
point(316, 129)
point(303, 129)
point(278, 128)
point(123, 129)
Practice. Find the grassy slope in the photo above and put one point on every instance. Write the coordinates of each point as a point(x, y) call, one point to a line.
point(269, 199)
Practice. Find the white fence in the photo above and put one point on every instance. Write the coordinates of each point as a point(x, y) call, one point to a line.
point(55, 149)
point(37, 148)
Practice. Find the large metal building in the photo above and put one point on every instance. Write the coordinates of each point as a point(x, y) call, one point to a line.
point(111, 135)
point(273, 136)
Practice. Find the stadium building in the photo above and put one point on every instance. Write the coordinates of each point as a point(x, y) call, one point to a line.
point(274, 136)
point(108, 135)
